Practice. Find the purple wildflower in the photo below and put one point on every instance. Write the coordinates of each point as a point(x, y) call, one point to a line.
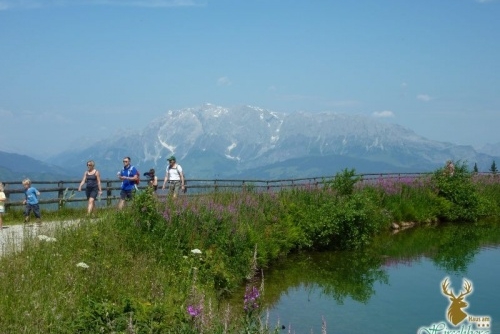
point(193, 310)
point(250, 299)
point(167, 215)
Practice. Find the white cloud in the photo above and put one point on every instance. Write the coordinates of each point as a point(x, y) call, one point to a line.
point(424, 97)
point(55, 118)
point(383, 114)
point(31, 4)
point(223, 81)
point(5, 113)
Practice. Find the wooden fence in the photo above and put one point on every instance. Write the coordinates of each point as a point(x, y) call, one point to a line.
point(57, 194)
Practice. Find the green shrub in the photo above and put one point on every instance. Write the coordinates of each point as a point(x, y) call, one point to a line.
point(344, 182)
point(145, 209)
point(337, 222)
point(459, 194)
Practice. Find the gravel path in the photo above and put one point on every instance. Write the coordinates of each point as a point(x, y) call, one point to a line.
point(12, 236)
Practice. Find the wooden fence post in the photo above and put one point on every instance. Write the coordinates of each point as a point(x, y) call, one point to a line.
point(7, 194)
point(109, 184)
point(60, 194)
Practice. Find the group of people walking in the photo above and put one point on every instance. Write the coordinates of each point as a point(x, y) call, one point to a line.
point(91, 182)
point(129, 175)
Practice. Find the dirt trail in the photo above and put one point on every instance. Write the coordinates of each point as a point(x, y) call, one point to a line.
point(12, 236)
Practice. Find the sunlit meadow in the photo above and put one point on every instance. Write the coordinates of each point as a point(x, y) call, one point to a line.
point(169, 266)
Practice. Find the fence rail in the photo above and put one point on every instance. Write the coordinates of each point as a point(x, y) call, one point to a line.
point(63, 193)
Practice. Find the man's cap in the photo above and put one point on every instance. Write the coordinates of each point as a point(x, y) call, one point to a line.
point(171, 158)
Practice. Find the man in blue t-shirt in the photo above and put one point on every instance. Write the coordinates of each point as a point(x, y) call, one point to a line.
point(128, 175)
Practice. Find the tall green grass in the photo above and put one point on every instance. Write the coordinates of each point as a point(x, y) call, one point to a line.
point(167, 267)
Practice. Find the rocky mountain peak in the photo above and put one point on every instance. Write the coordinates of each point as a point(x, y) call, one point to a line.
point(216, 140)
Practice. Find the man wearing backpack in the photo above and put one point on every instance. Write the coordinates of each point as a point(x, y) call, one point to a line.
point(175, 177)
point(128, 175)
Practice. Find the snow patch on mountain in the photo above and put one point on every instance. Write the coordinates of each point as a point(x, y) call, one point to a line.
point(228, 152)
point(171, 148)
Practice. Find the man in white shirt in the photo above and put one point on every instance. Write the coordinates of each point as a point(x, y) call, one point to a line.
point(174, 177)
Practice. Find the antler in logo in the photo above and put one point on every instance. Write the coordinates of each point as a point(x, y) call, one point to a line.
point(455, 312)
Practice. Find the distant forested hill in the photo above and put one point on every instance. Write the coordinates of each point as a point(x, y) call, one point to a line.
point(15, 167)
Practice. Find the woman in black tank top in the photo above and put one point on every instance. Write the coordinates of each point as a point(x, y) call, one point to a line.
point(93, 188)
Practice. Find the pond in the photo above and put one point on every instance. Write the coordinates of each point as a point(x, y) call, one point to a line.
point(396, 285)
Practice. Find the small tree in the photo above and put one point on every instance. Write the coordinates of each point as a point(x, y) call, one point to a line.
point(475, 168)
point(459, 195)
point(344, 182)
point(493, 167)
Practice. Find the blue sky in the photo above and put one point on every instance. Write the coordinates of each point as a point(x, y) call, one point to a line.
point(76, 69)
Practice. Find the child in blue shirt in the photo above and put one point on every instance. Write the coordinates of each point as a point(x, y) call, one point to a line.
point(31, 201)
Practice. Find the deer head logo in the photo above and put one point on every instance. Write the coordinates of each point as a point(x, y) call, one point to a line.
point(455, 312)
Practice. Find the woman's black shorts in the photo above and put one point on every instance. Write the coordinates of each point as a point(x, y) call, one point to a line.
point(91, 192)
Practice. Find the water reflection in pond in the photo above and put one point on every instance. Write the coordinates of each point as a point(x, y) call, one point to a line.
point(394, 286)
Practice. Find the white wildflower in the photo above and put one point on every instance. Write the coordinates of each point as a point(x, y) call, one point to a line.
point(196, 251)
point(46, 238)
point(82, 265)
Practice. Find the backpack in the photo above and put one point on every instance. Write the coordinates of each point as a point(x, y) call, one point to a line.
point(138, 180)
point(184, 175)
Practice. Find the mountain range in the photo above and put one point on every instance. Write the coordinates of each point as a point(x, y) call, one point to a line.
point(212, 141)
